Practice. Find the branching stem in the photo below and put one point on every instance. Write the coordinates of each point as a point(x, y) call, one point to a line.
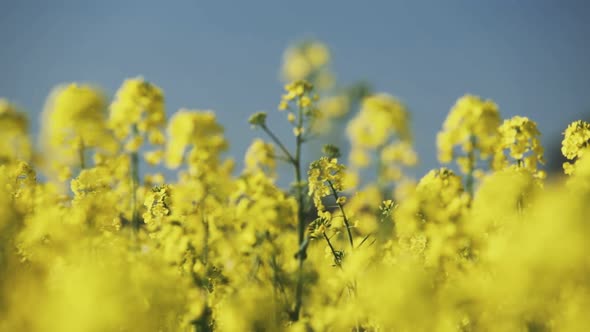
point(346, 222)
point(295, 160)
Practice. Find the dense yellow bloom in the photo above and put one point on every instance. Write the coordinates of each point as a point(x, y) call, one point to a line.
point(65, 292)
point(94, 188)
point(91, 181)
point(74, 122)
point(138, 109)
point(260, 156)
point(218, 250)
point(257, 198)
point(76, 114)
point(575, 143)
point(19, 181)
point(508, 190)
point(430, 220)
point(381, 117)
point(521, 138)
point(14, 140)
point(325, 176)
point(382, 127)
point(442, 195)
point(393, 157)
point(157, 203)
point(197, 130)
point(472, 124)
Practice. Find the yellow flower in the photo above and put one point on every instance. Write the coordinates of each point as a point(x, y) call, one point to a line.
point(575, 144)
point(154, 157)
point(304, 101)
point(196, 129)
point(91, 180)
point(283, 105)
point(381, 117)
point(472, 125)
point(134, 143)
point(157, 203)
point(74, 121)
point(138, 109)
point(14, 138)
point(151, 180)
point(317, 53)
point(298, 90)
point(260, 156)
point(521, 138)
point(324, 175)
point(441, 196)
point(295, 65)
point(305, 61)
point(382, 128)
point(298, 131)
point(75, 111)
point(335, 106)
point(401, 152)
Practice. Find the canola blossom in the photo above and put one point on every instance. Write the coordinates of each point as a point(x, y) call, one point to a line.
point(90, 241)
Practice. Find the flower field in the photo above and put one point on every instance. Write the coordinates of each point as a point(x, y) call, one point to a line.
point(131, 217)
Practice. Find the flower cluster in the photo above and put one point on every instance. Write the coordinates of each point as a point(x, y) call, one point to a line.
point(261, 156)
point(575, 142)
point(299, 102)
point(308, 60)
point(74, 122)
point(325, 178)
point(472, 125)
point(521, 138)
point(199, 131)
point(137, 111)
point(382, 127)
point(14, 139)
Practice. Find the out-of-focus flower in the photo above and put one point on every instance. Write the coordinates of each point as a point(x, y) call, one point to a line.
point(74, 121)
point(15, 143)
point(472, 125)
point(138, 110)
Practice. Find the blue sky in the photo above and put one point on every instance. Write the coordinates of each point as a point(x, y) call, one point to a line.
point(531, 56)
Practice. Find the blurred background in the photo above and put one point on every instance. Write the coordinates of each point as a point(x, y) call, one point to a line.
point(532, 57)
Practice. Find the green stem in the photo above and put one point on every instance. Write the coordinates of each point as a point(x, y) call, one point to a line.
point(380, 171)
point(364, 240)
point(300, 214)
point(469, 181)
point(81, 155)
point(205, 222)
point(520, 202)
point(336, 258)
point(346, 223)
point(134, 184)
point(295, 160)
point(280, 144)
